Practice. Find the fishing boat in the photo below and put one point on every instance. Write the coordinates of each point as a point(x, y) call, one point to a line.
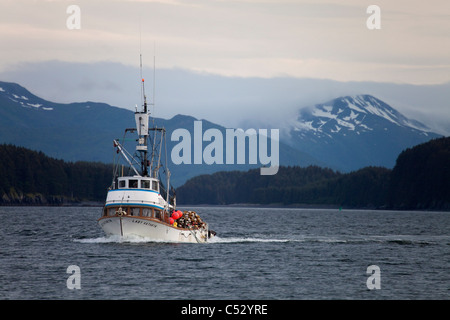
point(140, 202)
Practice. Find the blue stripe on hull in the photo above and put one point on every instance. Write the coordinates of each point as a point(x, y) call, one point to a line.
point(134, 189)
point(134, 204)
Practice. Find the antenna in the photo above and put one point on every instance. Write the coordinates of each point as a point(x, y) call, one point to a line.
point(154, 79)
point(140, 68)
point(154, 72)
point(143, 87)
point(140, 65)
point(143, 96)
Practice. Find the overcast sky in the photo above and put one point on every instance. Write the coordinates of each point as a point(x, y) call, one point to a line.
point(265, 38)
point(318, 39)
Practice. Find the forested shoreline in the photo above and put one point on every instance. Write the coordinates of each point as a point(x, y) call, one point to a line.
point(29, 177)
point(420, 180)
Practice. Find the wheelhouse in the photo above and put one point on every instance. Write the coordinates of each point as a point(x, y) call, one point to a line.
point(137, 182)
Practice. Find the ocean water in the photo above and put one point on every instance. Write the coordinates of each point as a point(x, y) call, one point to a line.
point(258, 254)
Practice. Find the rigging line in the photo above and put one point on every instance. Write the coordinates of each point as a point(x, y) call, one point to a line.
point(154, 76)
point(116, 161)
point(124, 153)
point(166, 166)
point(115, 168)
point(153, 103)
point(142, 83)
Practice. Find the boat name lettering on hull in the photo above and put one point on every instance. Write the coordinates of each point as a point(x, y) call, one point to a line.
point(147, 223)
point(137, 221)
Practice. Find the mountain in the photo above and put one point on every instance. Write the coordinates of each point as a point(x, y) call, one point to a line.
point(352, 132)
point(76, 131)
point(85, 131)
point(344, 134)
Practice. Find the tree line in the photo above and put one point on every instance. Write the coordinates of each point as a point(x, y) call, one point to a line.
point(31, 177)
point(419, 180)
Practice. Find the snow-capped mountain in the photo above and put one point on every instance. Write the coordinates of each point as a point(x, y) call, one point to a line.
point(85, 131)
point(23, 97)
point(357, 114)
point(347, 133)
point(356, 131)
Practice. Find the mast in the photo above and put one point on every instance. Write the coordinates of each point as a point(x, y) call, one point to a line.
point(141, 118)
point(151, 167)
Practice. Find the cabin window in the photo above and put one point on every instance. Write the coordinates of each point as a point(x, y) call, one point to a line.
point(122, 184)
point(112, 211)
point(145, 184)
point(146, 212)
point(155, 185)
point(132, 183)
point(157, 214)
point(135, 212)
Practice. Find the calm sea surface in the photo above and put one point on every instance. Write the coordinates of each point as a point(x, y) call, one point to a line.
point(259, 253)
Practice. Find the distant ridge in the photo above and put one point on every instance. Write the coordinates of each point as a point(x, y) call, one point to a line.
point(347, 133)
point(85, 131)
point(355, 131)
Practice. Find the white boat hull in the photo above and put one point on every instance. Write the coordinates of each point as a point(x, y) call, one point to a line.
point(151, 229)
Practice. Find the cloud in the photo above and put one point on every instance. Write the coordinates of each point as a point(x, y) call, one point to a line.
point(230, 101)
point(260, 38)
